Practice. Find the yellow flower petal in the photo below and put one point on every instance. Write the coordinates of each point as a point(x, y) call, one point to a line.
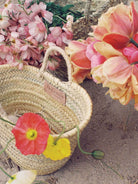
point(23, 177)
point(59, 150)
point(135, 84)
point(106, 49)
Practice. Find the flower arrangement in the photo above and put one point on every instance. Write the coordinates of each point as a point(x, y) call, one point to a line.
point(110, 54)
point(27, 29)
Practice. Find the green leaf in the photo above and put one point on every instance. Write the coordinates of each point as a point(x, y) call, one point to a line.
point(67, 7)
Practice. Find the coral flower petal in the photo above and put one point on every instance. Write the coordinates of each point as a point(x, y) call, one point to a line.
point(77, 52)
point(80, 59)
point(80, 74)
point(118, 41)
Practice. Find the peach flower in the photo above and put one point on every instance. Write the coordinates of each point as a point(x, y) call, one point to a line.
point(117, 25)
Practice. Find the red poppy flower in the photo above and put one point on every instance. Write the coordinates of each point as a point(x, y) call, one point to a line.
point(31, 133)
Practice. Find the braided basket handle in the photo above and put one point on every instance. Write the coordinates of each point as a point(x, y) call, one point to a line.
point(62, 52)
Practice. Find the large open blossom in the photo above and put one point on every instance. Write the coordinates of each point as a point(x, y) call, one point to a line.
point(31, 133)
point(119, 73)
point(57, 150)
point(117, 25)
point(23, 177)
point(114, 54)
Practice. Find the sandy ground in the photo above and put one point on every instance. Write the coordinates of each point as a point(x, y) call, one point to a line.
point(106, 131)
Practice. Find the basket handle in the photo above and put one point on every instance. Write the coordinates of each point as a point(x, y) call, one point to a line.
point(62, 52)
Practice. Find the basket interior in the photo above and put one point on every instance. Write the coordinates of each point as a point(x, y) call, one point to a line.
point(23, 91)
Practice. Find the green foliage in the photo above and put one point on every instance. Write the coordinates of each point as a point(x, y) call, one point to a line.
point(60, 13)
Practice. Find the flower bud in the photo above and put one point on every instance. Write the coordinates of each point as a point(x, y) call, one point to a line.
point(97, 154)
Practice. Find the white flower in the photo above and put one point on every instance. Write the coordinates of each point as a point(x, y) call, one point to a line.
point(23, 177)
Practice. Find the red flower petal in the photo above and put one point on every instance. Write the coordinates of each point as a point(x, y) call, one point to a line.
point(31, 121)
point(116, 40)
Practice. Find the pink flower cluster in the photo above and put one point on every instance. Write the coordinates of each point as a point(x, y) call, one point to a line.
point(111, 54)
point(24, 37)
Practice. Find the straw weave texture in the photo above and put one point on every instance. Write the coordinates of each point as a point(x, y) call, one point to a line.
point(23, 91)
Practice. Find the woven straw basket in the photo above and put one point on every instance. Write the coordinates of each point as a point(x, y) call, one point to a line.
point(27, 90)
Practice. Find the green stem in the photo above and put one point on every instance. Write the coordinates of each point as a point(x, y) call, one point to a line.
point(55, 141)
point(112, 169)
point(78, 140)
point(7, 121)
point(6, 146)
point(133, 42)
point(134, 63)
point(1, 153)
point(6, 173)
point(60, 18)
point(25, 10)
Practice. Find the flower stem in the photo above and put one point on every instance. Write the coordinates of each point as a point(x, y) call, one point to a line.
point(6, 173)
point(134, 63)
point(1, 153)
point(112, 169)
point(78, 137)
point(133, 42)
point(78, 140)
point(6, 145)
point(7, 121)
point(60, 18)
point(55, 141)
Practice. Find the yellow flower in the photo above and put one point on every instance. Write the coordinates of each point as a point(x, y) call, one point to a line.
point(58, 150)
point(23, 177)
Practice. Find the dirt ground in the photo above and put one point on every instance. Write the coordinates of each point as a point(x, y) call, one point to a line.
point(106, 131)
